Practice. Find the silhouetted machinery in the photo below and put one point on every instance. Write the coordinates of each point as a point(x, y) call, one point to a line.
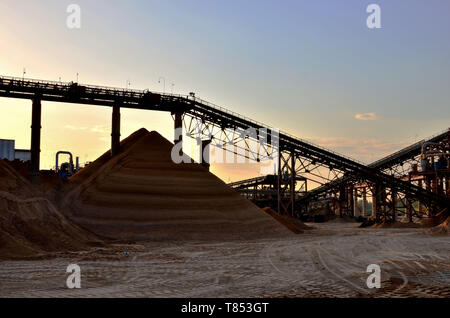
point(67, 168)
point(150, 98)
point(75, 91)
point(435, 166)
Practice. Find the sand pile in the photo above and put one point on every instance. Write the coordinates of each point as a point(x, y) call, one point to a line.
point(30, 226)
point(444, 227)
point(12, 182)
point(142, 195)
point(435, 220)
point(396, 225)
point(432, 222)
point(292, 224)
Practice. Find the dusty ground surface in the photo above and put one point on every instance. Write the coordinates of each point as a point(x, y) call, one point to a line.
point(329, 261)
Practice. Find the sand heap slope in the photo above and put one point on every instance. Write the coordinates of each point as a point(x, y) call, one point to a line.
point(12, 182)
point(30, 226)
point(292, 224)
point(142, 195)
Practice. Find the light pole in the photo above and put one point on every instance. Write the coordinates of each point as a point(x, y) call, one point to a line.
point(77, 77)
point(23, 74)
point(171, 87)
point(128, 84)
point(164, 81)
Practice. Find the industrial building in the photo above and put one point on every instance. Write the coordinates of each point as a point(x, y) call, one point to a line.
point(8, 151)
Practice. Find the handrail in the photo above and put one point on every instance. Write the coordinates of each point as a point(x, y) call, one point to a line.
point(375, 164)
point(406, 149)
point(292, 141)
point(197, 99)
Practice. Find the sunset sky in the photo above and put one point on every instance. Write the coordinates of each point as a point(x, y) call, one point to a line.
point(310, 68)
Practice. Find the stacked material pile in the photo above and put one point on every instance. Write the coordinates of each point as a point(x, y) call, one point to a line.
point(141, 194)
point(30, 225)
point(294, 225)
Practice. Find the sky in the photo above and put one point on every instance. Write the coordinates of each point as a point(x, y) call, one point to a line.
point(310, 68)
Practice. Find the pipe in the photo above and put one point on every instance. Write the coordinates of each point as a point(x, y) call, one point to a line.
point(64, 153)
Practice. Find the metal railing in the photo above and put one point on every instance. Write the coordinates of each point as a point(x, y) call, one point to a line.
point(406, 149)
point(197, 99)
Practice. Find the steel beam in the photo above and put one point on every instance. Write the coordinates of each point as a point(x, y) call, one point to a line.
point(409, 210)
point(351, 202)
point(35, 139)
point(178, 128)
point(220, 118)
point(115, 131)
point(376, 202)
point(286, 183)
point(356, 211)
point(279, 180)
point(204, 153)
point(342, 197)
point(292, 184)
point(394, 204)
point(364, 198)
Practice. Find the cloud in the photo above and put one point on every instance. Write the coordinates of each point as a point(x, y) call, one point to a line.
point(99, 129)
point(363, 149)
point(366, 116)
point(75, 127)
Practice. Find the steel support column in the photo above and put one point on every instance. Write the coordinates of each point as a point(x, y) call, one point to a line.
point(447, 184)
point(356, 211)
point(420, 202)
point(292, 184)
point(350, 202)
point(341, 200)
point(409, 209)
point(279, 181)
point(204, 153)
point(377, 199)
point(178, 129)
point(383, 204)
point(115, 131)
point(35, 139)
point(428, 187)
point(394, 204)
point(364, 198)
point(286, 183)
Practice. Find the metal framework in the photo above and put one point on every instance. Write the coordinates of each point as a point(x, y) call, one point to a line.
point(224, 129)
point(388, 205)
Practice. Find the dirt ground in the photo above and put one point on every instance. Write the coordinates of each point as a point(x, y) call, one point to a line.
point(328, 261)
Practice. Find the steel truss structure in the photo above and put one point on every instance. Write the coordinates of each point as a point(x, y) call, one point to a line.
point(289, 155)
point(387, 204)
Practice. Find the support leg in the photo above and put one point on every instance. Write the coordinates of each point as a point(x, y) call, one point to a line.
point(351, 202)
point(356, 212)
point(409, 209)
point(35, 139)
point(394, 205)
point(204, 153)
point(364, 198)
point(420, 203)
point(292, 185)
point(341, 200)
point(178, 126)
point(279, 179)
point(115, 131)
point(377, 202)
